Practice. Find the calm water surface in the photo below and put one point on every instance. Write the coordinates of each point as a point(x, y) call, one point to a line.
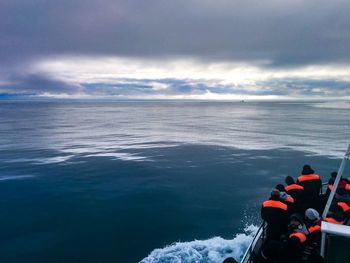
point(90, 181)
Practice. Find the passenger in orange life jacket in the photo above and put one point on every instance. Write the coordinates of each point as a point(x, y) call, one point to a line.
point(341, 195)
point(343, 183)
point(335, 215)
point(297, 192)
point(296, 239)
point(286, 198)
point(313, 224)
point(276, 214)
point(312, 186)
point(342, 199)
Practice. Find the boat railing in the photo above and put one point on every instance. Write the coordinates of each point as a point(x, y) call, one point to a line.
point(324, 230)
point(248, 256)
point(325, 185)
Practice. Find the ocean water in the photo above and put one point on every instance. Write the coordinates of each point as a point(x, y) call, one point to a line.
point(151, 181)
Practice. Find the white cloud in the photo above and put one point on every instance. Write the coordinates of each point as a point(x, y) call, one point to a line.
point(110, 69)
point(159, 86)
point(181, 78)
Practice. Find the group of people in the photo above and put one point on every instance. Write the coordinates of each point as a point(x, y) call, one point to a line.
point(292, 214)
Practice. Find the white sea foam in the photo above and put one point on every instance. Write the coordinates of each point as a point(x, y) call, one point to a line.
point(111, 151)
point(150, 145)
point(56, 159)
point(332, 105)
point(213, 250)
point(14, 177)
point(121, 156)
point(48, 160)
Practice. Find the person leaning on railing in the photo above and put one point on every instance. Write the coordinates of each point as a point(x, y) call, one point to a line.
point(343, 183)
point(276, 214)
point(340, 208)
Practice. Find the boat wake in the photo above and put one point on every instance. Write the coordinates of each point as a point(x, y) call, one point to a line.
point(213, 250)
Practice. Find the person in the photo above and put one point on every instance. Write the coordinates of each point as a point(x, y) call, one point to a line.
point(335, 214)
point(342, 199)
point(347, 187)
point(276, 214)
point(312, 186)
point(286, 198)
point(313, 224)
point(341, 195)
point(271, 252)
point(342, 183)
point(297, 192)
point(296, 239)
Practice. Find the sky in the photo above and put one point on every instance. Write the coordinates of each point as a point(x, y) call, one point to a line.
point(175, 49)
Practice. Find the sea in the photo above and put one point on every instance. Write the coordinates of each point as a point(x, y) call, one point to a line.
point(152, 181)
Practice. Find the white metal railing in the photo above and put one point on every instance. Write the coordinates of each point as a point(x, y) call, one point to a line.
point(339, 230)
point(247, 257)
point(331, 196)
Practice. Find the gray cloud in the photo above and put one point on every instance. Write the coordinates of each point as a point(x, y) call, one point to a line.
point(282, 32)
point(284, 87)
point(268, 33)
point(38, 85)
point(129, 88)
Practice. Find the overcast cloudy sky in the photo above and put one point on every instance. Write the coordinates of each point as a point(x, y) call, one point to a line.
point(223, 49)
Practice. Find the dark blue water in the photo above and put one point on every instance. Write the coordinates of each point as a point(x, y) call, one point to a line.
point(90, 181)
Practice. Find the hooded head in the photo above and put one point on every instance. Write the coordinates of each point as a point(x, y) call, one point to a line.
point(334, 174)
point(280, 187)
point(289, 180)
point(296, 221)
point(307, 169)
point(297, 217)
point(311, 215)
point(275, 194)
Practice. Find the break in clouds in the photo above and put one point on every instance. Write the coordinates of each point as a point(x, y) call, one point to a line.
point(175, 49)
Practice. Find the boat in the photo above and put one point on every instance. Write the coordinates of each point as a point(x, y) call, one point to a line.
point(335, 243)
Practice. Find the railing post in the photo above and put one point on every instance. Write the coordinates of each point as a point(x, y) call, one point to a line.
point(323, 245)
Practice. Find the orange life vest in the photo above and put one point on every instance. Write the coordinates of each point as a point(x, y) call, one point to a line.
point(344, 206)
point(314, 228)
point(308, 177)
point(299, 235)
point(275, 204)
point(289, 199)
point(347, 187)
point(332, 220)
point(293, 187)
